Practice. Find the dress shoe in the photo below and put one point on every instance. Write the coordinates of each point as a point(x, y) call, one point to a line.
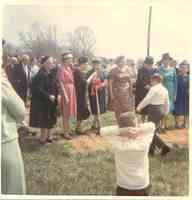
point(66, 136)
point(165, 150)
point(49, 140)
point(78, 132)
point(42, 142)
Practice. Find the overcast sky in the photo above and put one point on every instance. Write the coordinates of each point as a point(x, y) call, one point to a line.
point(120, 26)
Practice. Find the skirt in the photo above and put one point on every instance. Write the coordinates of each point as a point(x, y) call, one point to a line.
point(12, 169)
point(70, 109)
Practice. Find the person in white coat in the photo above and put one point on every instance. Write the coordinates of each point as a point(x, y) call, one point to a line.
point(130, 143)
point(157, 103)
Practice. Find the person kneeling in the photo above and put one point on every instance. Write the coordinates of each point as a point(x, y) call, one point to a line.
point(131, 142)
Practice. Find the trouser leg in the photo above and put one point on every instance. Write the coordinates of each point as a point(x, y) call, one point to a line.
point(157, 141)
point(155, 115)
point(117, 115)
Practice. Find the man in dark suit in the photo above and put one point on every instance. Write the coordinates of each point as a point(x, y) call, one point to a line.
point(10, 69)
point(143, 81)
point(22, 77)
point(21, 83)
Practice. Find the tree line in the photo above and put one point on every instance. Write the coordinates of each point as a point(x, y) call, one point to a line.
point(43, 39)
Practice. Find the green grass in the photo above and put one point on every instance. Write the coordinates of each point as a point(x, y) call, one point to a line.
point(58, 170)
point(51, 170)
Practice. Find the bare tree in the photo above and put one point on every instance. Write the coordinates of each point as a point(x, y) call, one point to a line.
point(40, 40)
point(82, 42)
point(43, 40)
point(11, 49)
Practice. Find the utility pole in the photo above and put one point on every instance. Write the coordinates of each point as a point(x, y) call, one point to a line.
point(149, 31)
point(55, 38)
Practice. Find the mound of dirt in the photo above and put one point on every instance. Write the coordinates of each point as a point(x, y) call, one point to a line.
point(179, 136)
point(89, 142)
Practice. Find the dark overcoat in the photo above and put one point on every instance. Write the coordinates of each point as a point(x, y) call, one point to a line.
point(143, 79)
point(43, 113)
point(81, 94)
point(10, 73)
point(182, 99)
point(21, 81)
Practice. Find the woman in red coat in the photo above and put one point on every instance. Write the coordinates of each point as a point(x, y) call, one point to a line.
point(68, 103)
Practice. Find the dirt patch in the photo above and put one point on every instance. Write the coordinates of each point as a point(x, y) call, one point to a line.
point(179, 137)
point(89, 142)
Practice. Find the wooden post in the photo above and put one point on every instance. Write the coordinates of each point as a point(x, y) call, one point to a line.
point(149, 31)
point(55, 38)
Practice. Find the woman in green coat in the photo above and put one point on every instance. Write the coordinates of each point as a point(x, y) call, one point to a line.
point(13, 112)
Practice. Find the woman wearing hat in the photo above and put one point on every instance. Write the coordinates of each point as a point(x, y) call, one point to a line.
point(68, 103)
point(120, 88)
point(182, 100)
point(169, 81)
point(43, 113)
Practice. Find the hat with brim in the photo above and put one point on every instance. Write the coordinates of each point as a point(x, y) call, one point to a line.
point(83, 60)
point(184, 63)
point(67, 55)
point(166, 56)
point(96, 61)
point(149, 60)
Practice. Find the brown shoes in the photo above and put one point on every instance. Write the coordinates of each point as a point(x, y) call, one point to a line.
point(67, 136)
point(165, 151)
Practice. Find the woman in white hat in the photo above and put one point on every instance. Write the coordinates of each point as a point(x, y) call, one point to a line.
point(68, 95)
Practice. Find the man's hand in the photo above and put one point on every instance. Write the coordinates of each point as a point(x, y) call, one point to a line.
point(66, 100)
point(129, 135)
point(147, 87)
point(138, 110)
point(132, 134)
point(112, 97)
point(52, 98)
point(175, 98)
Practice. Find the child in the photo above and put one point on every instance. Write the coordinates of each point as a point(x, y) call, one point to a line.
point(157, 103)
point(131, 143)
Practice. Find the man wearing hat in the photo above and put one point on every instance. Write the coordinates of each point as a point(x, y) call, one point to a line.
point(97, 92)
point(157, 101)
point(143, 81)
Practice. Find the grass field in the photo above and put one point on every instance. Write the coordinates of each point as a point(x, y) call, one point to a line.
point(58, 169)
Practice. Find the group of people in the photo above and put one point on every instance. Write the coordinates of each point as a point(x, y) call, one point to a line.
point(176, 81)
point(79, 91)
